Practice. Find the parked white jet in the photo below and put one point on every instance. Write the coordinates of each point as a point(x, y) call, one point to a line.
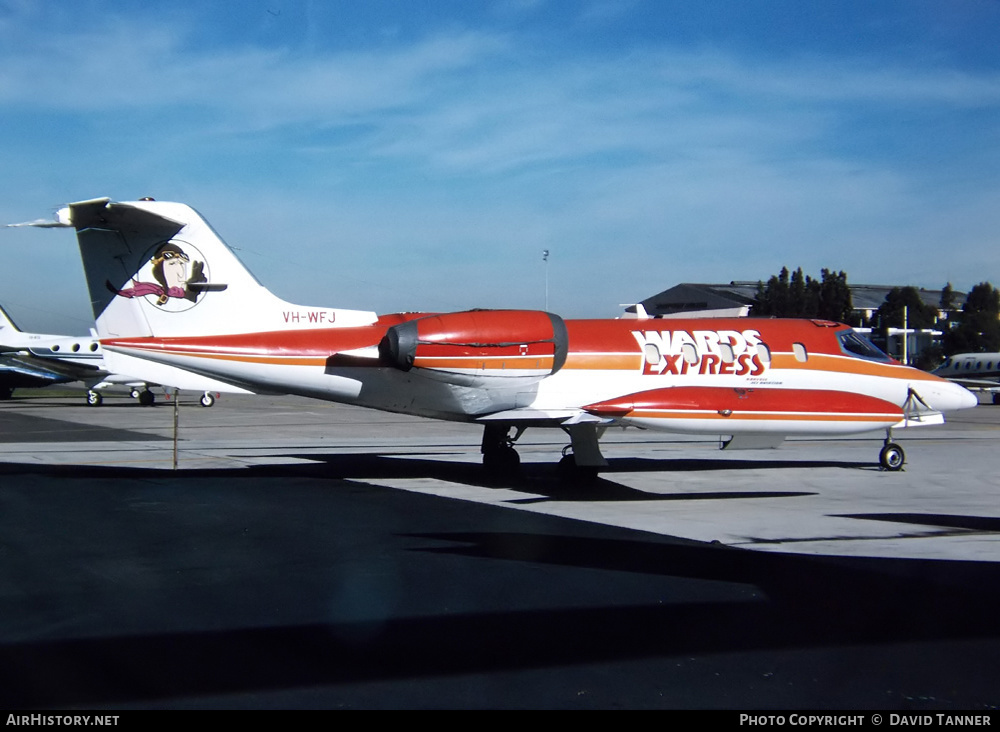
point(32, 360)
point(974, 371)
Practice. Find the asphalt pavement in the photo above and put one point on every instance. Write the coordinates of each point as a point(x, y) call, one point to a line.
point(311, 555)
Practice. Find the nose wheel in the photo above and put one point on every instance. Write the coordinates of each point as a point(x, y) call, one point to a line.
point(891, 457)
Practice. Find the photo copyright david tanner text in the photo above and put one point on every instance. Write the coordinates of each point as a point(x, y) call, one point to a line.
point(942, 719)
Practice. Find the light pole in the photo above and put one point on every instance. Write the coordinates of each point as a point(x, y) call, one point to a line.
point(545, 258)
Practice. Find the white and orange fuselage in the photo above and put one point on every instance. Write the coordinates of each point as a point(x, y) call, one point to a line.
point(705, 376)
point(504, 368)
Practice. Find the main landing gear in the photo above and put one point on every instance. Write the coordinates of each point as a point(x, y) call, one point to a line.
point(146, 397)
point(891, 457)
point(499, 456)
point(581, 460)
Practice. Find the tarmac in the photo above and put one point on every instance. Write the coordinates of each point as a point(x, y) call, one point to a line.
point(304, 554)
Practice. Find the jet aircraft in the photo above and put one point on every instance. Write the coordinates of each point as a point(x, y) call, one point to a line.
point(168, 293)
point(29, 360)
point(974, 371)
point(34, 360)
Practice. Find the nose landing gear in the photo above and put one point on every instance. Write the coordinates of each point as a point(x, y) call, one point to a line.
point(891, 457)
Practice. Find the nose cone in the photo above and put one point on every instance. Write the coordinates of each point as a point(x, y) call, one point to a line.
point(947, 396)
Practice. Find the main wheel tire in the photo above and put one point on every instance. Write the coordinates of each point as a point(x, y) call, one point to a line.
point(570, 472)
point(147, 398)
point(94, 398)
point(207, 399)
point(502, 462)
point(892, 457)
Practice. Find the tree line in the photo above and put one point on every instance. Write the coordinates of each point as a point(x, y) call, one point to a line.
point(800, 296)
point(973, 328)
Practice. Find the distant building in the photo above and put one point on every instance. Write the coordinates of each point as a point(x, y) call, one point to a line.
point(710, 301)
point(866, 299)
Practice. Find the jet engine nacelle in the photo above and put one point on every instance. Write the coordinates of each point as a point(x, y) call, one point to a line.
point(479, 347)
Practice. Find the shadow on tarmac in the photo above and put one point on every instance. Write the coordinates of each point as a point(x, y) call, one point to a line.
point(538, 479)
point(774, 602)
point(808, 604)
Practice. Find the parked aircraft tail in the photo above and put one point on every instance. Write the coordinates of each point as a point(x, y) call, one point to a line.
point(7, 326)
point(158, 269)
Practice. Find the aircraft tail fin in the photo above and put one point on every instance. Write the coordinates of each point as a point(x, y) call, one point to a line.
point(159, 269)
point(7, 324)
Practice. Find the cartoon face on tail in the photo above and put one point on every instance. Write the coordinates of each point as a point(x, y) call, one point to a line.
point(176, 276)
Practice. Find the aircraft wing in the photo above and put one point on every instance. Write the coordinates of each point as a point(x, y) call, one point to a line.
point(544, 417)
point(26, 370)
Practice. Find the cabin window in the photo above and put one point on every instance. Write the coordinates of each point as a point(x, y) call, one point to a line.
point(800, 352)
point(652, 354)
point(55, 348)
point(93, 347)
point(76, 347)
point(764, 353)
point(690, 353)
point(726, 352)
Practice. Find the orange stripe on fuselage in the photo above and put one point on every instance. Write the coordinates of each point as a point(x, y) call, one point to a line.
point(295, 347)
point(289, 360)
point(847, 365)
point(603, 361)
point(501, 363)
point(605, 345)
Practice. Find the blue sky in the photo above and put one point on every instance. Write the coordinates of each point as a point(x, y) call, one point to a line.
point(413, 155)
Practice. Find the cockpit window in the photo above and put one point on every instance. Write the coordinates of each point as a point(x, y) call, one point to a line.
point(855, 344)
